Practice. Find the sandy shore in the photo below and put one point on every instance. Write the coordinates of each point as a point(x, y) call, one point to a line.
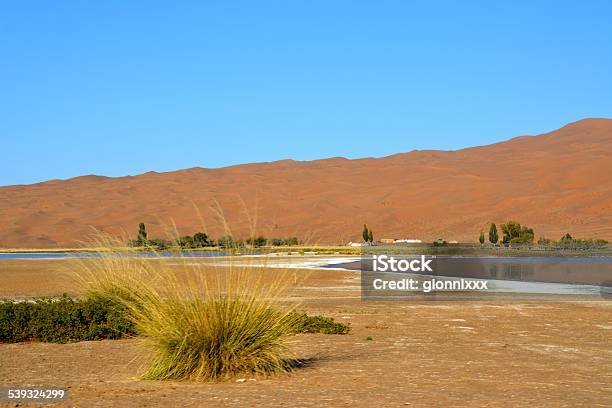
point(421, 354)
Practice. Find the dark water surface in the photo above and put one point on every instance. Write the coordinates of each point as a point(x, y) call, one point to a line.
point(571, 270)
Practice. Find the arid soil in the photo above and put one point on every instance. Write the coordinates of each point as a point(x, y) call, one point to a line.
point(556, 183)
point(420, 354)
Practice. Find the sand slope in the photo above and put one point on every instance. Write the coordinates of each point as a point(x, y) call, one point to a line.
point(556, 183)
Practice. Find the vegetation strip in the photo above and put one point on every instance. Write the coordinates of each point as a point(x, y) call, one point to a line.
point(67, 320)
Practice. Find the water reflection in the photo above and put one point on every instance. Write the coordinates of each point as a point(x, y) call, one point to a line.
point(522, 272)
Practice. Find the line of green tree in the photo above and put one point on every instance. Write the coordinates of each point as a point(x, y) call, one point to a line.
point(202, 240)
point(515, 233)
point(567, 241)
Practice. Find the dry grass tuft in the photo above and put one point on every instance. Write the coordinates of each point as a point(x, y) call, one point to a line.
point(199, 322)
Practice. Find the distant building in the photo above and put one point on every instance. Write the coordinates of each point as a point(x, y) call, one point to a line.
point(362, 244)
point(400, 241)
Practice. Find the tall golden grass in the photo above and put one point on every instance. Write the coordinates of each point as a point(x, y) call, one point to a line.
point(198, 322)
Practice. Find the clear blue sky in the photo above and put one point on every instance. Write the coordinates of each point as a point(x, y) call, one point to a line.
point(124, 87)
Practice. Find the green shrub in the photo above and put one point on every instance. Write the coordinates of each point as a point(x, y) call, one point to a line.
point(291, 241)
point(259, 241)
point(66, 320)
point(63, 320)
point(321, 324)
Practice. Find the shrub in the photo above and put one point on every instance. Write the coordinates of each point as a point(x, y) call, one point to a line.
point(291, 241)
point(257, 241)
point(210, 339)
point(63, 320)
point(320, 324)
point(186, 242)
point(567, 241)
point(440, 242)
point(203, 323)
point(159, 244)
point(228, 242)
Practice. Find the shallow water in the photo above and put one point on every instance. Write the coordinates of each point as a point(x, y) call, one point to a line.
point(562, 275)
point(547, 275)
point(573, 270)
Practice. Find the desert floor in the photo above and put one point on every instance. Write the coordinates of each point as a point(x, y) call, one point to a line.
point(421, 354)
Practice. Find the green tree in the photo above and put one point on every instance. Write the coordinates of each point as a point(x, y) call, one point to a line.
point(370, 236)
point(292, 241)
point(159, 244)
point(511, 230)
point(544, 241)
point(186, 242)
point(493, 238)
point(257, 241)
point(365, 233)
point(226, 241)
point(514, 233)
point(526, 235)
point(200, 239)
point(481, 238)
point(142, 234)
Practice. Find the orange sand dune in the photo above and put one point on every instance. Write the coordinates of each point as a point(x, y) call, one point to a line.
point(556, 183)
